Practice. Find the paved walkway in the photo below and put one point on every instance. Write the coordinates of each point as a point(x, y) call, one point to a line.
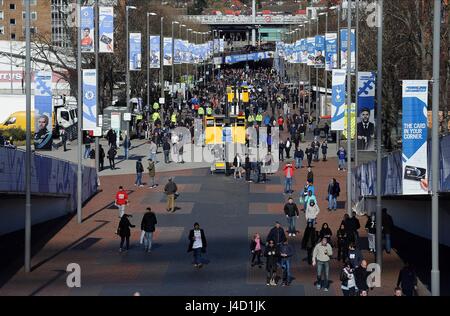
point(229, 210)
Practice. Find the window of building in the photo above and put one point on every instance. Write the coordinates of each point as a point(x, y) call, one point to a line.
point(12, 21)
point(33, 30)
point(2, 30)
point(32, 2)
point(12, 6)
point(13, 36)
point(33, 15)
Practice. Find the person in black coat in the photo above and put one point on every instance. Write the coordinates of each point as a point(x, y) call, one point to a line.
point(276, 234)
point(248, 169)
point(387, 223)
point(325, 232)
point(197, 244)
point(407, 280)
point(272, 254)
point(342, 243)
point(112, 152)
point(124, 231)
point(101, 157)
point(309, 241)
point(148, 226)
point(361, 275)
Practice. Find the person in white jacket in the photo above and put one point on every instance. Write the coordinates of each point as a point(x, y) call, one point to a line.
point(312, 210)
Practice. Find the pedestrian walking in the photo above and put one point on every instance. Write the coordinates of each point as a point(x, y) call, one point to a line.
point(291, 212)
point(124, 232)
point(197, 244)
point(256, 250)
point(325, 232)
point(342, 240)
point(139, 171)
point(371, 231)
point(324, 150)
point(151, 173)
point(387, 223)
point(361, 274)
point(288, 148)
point(334, 190)
point(166, 150)
point(153, 150)
point(407, 280)
point(281, 149)
point(310, 176)
point(248, 168)
point(342, 156)
point(354, 255)
point(121, 200)
point(309, 241)
point(312, 210)
point(272, 254)
point(298, 155)
point(321, 257)
point(126, 145)
point(101, 157)
point(148, 227)
point(170, 189)
point(348, 284)
point(112, 152)
point(309, 197)
point(289, 174)
point(237, 163)
point(63, 135)
point(277, 235)
point(309, 155)
point(286, 253)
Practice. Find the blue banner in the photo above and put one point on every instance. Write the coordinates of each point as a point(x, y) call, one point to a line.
point(319, 61)
point(43, 110)
point(414, 140)
point(167, 51)
point(248, 57)
point(366, 110)
point(338, 99)
point(89, 99)
point(331, 59)
point(87, 39)
point(155, 51)
point(135, 51)
point(311, 47)
point(178, 51)
point(106, 29)
point(304, 51)
point(344, 49)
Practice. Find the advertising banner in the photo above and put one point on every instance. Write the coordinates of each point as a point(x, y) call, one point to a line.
point(155, 51)
point(135, 52)
point(415, 128)
point(167, 51)
point(106, 29)
point(248, 57)
point(344, 49)
point(338, 99)
point(311, 46)
point(304, 53)
point(366, 110)
point(178, 51)
point(221, 45)
point(87, 30)
point(352, 123)
point(43, 110)
point(331, 57)
point(89, 99)
point(298, 51)
point(319, 61)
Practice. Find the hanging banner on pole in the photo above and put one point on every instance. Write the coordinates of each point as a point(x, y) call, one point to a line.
point(135, 51)
point(344, 49)
point(179, 48)
point(352, 122)
point(311, 46)
point(106, 29)
point(304, 49)
point(89, 99)
point(319, 60)
point(338, 99)
point(87, 30)
point(331, 51)
point(366, 110)
point(167, 51)
point(415, 128)
point(155, 51)
point(43, 110)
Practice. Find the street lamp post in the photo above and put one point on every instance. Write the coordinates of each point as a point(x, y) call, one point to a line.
point(148, 57)
point(127, 62)
point(80, 120)
point(356, 76)
point(325, 66)
point(181, 62)
point(317, 79)
point(349, 103)
point(173, 63)
point(187, 66)
point(161, 60)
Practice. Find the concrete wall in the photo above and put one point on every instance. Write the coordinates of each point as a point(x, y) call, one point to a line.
point(43, 208)
point(414, 215)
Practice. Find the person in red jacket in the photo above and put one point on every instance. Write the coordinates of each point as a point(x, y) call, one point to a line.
point(289, 173)
point(121, 200)
point(280, 123)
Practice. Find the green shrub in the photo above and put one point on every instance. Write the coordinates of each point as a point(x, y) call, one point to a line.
point(17, 134)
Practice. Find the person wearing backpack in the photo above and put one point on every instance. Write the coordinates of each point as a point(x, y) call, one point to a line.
point(139, 171)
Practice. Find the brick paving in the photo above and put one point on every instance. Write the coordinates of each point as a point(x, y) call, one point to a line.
point(229, 210)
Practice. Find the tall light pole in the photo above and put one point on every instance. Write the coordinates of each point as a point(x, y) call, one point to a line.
point(379, 253)
point(325, 74)
point(317, 79)
point(148, 56)
point(28, 141)
point(356, 76)
point(161, 61)
point(338, 135)
point(435, 274)
point(96, 46)
point(173, 62)
point(80, 120)
point(349, 112)
point(181, 62)
point(127, 61)
point(187, 66)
